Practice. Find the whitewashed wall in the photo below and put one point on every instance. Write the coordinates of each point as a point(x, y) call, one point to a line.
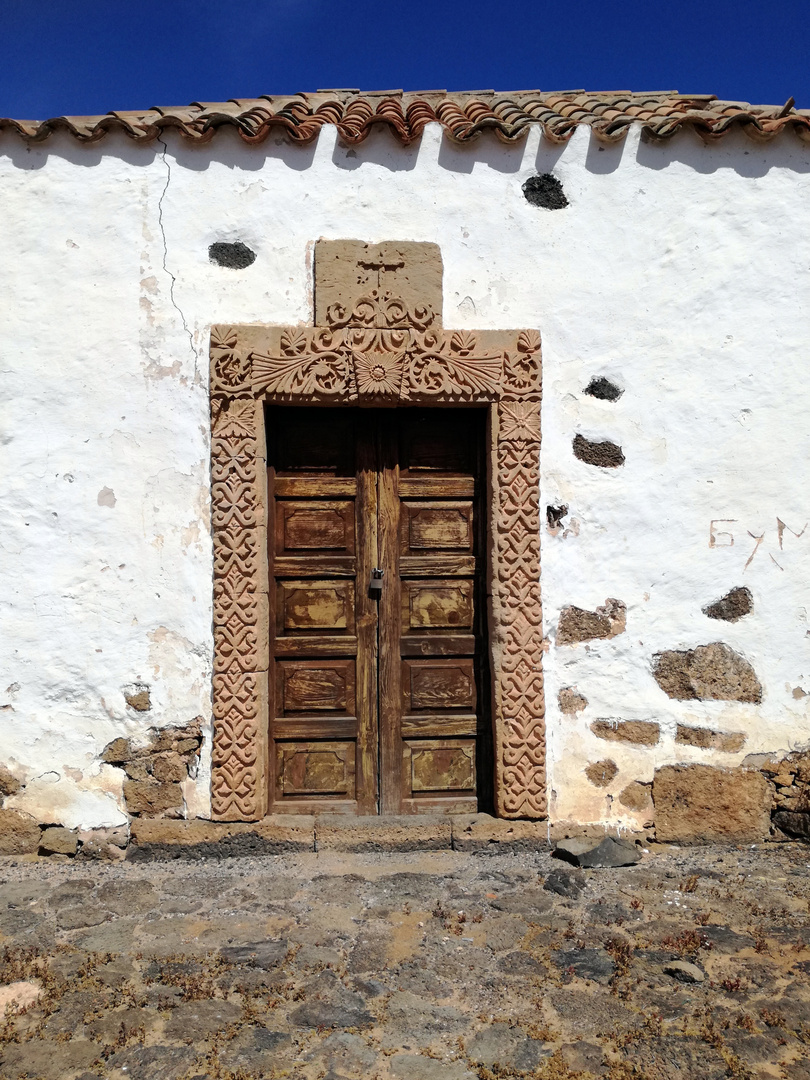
point(678, 270)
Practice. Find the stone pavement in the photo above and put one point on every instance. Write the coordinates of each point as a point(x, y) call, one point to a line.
point(436, 965)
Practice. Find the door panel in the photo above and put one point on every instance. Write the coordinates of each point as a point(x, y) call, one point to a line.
point(376, 699)
point(433, 526)
point(325, 526)
point(432, 485)
point(322, 503)
point(437, 605)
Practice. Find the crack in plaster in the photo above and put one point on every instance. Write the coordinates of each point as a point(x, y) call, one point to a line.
point(173, 278)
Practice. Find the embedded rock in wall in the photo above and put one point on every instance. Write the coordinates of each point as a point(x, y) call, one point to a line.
point(605, 455)
point(640, 732)
point(708, 673)
point(603, 389)
point(58, 841)
point(576, 624)
point(9, 785)
point(137, 697)
point(600, 773)
point(636, 796)
point(732, 606)
point(571, 701)
point(156, 771)
point(703, 804)
point(728, 742)
point(789, 779)
point(19, 833)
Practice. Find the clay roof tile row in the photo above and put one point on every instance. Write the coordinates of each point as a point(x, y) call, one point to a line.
point(464, 116)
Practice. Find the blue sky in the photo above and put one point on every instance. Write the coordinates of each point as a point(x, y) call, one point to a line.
point(89, 56)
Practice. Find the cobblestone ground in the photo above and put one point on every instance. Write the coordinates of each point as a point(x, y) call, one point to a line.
point(434, 966)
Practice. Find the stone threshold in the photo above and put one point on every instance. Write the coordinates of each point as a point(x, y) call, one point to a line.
point(169, 838)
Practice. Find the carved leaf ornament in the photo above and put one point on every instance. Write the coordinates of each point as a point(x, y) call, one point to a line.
point(380, 351)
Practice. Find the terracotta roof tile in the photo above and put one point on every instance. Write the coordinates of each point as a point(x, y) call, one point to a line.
point(464, 116)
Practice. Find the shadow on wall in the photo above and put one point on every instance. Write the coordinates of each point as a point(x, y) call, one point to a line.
point(733, 151)
point(226, 148)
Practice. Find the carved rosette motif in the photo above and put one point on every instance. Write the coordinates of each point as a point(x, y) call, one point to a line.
point(379, 352)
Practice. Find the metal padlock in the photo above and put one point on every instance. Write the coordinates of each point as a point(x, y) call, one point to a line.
point(375, 585)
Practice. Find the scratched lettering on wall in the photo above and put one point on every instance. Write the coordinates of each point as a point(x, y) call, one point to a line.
point(775, 543)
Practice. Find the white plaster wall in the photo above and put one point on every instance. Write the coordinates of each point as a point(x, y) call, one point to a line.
point(678, 270)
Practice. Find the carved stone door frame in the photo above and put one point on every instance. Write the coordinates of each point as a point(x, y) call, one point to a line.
point(378, 348)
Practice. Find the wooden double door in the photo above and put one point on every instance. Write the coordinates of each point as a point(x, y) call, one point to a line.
point(379, 679)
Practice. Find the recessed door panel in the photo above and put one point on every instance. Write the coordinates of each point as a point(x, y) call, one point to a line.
point(437, 605)
point(434, 527)
point(441, 766)
point(315, 526)
point(316, 605)
point(316, 768)
point(307, 686)
point(438, 684)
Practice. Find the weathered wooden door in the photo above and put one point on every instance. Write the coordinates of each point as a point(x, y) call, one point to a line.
point(378, 697)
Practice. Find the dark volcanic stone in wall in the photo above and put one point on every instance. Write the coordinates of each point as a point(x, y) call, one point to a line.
point(605, 455)
point(235, 256)
point(546, 191)
point(708, 673)
point(604, 389)
point(732, 606)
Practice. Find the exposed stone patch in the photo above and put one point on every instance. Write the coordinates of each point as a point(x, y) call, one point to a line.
point(546, 191)
point(137, 697)
point(600, 773)
point(636, 796)
point(708, 673)
point(156, 771)
point(640, 732)
point(19, 833)
point(789, 780)
point(731, 607)
point(603, 389)
point(234, 256)
point(152, 799)
point(605, 455)
point(571, 701)
point(729, 742)
point(554, 517)
point(576, 624)
point(9, 784)
point(703, 804)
